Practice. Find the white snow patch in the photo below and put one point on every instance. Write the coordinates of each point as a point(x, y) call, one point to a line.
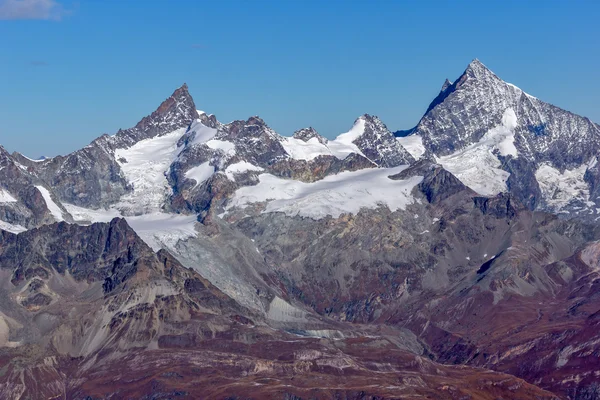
point(5, 226)
point(223, 145)
point(503, 136)
point(346, 192)
point(558, 190)
point(6, 197)
point(200, 173)
point(36, 160)
point(357, 130)
point(52, 206)
point(240, 168)
point(161, 230)
point(300, 150)
point(413, 144)
point(202, 133)
point(145, 165)
point(477, 166)
point(343, 145)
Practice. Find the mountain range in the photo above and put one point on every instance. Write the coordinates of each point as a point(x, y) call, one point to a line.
point(190, 258)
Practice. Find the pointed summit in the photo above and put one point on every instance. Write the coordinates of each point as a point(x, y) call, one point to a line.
point(176, 112)
point(476, 69)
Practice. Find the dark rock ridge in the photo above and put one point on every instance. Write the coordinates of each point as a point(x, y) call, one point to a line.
point(108, 253)
point(437, 185)
point(174, 113)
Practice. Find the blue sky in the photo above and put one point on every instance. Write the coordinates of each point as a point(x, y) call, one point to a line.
point(74, 70)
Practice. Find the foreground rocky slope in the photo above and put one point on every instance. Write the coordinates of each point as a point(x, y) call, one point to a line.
point(188, 257)
point(98, 314)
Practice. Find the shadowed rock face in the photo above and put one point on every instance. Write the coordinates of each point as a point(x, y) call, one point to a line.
point(100, 252)
point(28, 208)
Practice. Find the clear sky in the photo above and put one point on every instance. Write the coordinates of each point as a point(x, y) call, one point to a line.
point(71, 71)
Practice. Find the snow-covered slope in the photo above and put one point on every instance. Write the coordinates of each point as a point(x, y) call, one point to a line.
point(478, 166)
point(344, 193)
point(144, 166)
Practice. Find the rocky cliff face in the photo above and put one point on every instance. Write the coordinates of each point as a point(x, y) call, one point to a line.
point(25, 200)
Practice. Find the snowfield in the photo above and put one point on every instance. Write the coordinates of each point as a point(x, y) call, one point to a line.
point(346, 192)
point(5, 226)
point(240, 168)
point(200, 173)
point(341, 147)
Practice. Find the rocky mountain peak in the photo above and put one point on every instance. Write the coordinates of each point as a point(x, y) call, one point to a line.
point(305, 134)
point(372, 121)
point(377, 143)
point(252, 127)
point(176, 112)
point(476, 69)
point(255, 120)
point(539, 147)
